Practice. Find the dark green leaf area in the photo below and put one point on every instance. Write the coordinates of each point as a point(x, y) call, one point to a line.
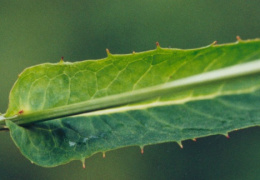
point(59, 141)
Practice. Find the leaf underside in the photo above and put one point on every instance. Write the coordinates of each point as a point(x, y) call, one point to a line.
point(213, 108)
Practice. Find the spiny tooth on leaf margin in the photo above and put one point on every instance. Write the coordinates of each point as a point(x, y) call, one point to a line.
point(104, 154)
point(158, 45)
point(108, 53)
point(238, 39)
point(180, 144)
point(83, 163)
point(142, 149)
point(214, 43)
point(226, 135)
point(61, 60)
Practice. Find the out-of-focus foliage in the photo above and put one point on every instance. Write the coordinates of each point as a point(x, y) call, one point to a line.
point(35, 32)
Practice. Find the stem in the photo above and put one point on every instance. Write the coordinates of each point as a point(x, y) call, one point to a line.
point(229, 73)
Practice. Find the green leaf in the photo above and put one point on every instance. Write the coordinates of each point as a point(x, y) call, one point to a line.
point(70, 111)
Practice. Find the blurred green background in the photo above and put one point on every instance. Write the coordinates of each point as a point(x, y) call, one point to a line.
point(33, 32)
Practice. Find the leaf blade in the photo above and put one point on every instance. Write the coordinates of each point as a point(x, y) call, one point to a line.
point(153, 120)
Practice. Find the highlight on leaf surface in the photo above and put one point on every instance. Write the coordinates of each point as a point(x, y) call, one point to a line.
point(70, 111)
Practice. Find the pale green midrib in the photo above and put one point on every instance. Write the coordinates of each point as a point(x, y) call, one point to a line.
point(236, 71)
